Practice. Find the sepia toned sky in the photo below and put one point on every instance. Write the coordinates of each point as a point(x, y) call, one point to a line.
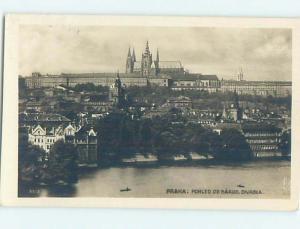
point(263, 54)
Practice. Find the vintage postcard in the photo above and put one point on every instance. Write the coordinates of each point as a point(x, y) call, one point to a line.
point(151, 112)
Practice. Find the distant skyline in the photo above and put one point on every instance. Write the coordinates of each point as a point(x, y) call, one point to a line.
point(263, 54)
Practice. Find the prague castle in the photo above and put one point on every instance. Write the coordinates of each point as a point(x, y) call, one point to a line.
point(153, 71)
point(260, 88)
point(148, 67)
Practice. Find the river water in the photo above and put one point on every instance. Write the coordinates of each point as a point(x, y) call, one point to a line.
point(259, 179)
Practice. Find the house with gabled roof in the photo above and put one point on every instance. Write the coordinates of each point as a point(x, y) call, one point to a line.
point(87, 144)
point(44, 136)
point(83, 137)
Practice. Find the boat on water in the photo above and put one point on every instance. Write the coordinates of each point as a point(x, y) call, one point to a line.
point(125, 190)
point(241, 186)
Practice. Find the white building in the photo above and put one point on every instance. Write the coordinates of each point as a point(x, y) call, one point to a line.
point(45, 137)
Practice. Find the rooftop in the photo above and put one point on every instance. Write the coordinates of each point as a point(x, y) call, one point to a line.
point(37, 117)
point(169, 64)
point(192, 77)
point(101, 75)
point(260, 127)
point(204, 77)
point(244, 82)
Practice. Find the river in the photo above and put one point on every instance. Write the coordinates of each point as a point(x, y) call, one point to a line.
point(258, 179)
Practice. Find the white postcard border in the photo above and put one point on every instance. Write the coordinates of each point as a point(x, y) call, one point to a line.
point(9, 156)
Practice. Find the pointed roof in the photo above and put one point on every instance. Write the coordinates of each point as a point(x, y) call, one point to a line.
point(133, 56)
point(38, 128)
point(157, 56)
point(129, 53)
point(85, 131)
point(147, 47)
point(91, 132)
point(170, 64)
point(70, 126)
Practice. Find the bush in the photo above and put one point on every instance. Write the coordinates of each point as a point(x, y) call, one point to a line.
point(62, 165)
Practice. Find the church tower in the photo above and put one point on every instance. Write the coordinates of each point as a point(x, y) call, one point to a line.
point(146, 62)
point(117, 92)
point(157, 63)
point(236, 105)
point(129, 62)
point(240, 75)
point(133, 58)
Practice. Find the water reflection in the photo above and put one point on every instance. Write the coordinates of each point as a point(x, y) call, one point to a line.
point(271, 177)
point(62, 191)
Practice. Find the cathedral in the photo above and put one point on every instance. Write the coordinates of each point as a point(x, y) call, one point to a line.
point(141, 71)
point(148, 67)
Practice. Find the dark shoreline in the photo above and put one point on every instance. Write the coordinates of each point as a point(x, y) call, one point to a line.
point(158, 164)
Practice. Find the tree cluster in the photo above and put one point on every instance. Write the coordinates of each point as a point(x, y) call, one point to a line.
point(90, 87)
point(37, 168)
point(30, 162)
point(166, 136)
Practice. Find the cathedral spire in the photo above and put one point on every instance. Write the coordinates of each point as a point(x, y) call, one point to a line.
point(133, 56)
point(240, 76)
point(129, 53)
point(129, 62)
point(147, 47)
point(157, 56)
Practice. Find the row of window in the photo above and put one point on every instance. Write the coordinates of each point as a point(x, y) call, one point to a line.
point(40, 140)
point(262, 141)
point(264, 147)
point(262, 134)
point(191, 84)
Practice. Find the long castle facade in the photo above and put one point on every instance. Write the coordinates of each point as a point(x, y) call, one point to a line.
point(165, 73)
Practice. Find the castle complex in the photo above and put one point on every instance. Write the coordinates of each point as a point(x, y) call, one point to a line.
point(153, 71)
point(148, 67)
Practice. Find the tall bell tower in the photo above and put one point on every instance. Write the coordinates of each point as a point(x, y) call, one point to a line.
point(129, 62)
point(146, 62)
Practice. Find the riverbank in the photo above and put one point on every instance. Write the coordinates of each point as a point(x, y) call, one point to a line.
point(204, 162)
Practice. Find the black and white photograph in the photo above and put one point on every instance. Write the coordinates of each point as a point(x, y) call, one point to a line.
point(171, 112)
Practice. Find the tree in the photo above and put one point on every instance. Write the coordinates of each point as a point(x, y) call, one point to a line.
point(234, 145)
point(62, 165)
point(90, 87)
point(145, 133)
point(30, 164)
point(165, 144)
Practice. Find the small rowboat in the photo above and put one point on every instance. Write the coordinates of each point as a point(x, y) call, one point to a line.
point(125, 190)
